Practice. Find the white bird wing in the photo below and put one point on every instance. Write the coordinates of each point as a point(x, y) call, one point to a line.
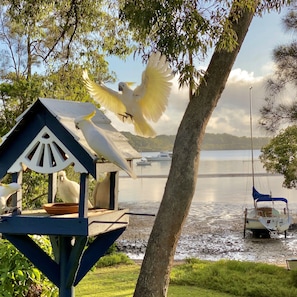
point(109, 150)
point(101, 144)
point(101, 193)
point(6, 190)
point(68, 190)
point(74, 187)
point(2, 205)
point(105, 96)
point(155, 87)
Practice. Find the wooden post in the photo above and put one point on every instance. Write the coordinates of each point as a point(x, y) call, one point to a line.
point(65, 249)
point(83, 196)
point(17, 177)
point(244, 228)
point(72, 259)
point(52, 187)
point(113, 202)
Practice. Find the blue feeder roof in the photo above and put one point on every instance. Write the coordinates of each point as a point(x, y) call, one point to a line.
point(45, 140)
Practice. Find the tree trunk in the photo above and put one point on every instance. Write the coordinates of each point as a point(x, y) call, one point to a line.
point(153, 280)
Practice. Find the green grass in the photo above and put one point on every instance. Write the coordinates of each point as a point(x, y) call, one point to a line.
point(245, 279)
point(117, 281)
point(197, 278)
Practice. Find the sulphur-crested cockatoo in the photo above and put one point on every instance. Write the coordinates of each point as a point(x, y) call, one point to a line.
point(147, 101)
point(68, 189)
point(101, 144)
point(6, 190)
point(101, 193)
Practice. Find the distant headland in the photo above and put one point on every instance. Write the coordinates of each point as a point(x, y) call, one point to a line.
point(211, 141)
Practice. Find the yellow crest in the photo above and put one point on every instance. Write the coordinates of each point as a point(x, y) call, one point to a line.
point(89, 116)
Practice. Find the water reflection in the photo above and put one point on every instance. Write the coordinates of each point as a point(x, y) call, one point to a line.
point(235, 189)
point(214, 226)
point(140, 190)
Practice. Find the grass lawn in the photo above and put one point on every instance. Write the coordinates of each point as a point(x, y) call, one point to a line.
point(107, 282)
point(197, 278)
point(120, 282)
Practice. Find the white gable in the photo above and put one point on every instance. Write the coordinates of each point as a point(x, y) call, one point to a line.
point(46, 154)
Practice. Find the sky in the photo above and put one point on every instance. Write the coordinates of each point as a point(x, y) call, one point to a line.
point(232, 115)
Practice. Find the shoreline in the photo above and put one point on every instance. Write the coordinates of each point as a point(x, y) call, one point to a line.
point(181, 262)
point(213, 236)
point(209, 175)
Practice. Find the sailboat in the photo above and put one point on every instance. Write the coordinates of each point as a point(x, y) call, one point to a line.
point(265, 218)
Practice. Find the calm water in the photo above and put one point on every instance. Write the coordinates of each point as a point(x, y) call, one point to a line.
point(219, 189)
point(214, 227)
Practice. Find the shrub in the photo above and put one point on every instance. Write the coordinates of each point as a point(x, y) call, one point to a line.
point(238, 278)
point(113, 259)
point(18, 276)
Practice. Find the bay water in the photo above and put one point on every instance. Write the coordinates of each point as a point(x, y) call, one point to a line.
point(214, 228)
point(225, 176)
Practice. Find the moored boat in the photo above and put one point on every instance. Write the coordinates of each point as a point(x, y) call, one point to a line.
point(162, 156)
point(265, 217)
point(143, 162)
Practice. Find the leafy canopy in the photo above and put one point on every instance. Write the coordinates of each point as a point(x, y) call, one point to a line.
point(280, 156)
point(275, 114)
point(186, 30)
point(46, 44)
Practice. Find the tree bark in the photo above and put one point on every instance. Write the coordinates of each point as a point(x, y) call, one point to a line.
point(153, 280)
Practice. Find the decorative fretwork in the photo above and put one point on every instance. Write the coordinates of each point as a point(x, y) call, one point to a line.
point(46, 154)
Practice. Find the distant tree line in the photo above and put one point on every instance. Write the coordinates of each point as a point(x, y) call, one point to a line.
point(211, 142)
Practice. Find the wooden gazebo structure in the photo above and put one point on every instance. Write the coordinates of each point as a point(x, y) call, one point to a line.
point(45, 140)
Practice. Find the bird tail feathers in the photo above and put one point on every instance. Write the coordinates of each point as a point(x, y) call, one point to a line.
point(144, 129)
point(131, 173)
point(123, 164)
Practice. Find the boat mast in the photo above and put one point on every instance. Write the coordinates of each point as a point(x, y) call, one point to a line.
point(252, 144)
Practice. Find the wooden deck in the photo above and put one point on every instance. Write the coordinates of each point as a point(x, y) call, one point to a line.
point(98, 221)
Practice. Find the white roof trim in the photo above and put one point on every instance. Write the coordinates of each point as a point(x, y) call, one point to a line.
point(46, 154)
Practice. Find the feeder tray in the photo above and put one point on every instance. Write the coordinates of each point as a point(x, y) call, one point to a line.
point(60, 208)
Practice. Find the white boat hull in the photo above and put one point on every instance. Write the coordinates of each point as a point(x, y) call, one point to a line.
point(160, 157)
point(272, 220)
point(143, 162)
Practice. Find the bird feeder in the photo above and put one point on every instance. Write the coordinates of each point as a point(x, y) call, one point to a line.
point(46, 141)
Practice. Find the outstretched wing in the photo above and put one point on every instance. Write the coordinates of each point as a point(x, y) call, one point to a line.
point(107, 97)
point(155, 87)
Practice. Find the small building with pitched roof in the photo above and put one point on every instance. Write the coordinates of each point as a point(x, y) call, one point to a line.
point(45, 140)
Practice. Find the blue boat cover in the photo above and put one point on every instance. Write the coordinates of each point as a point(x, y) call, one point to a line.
point(266, 197)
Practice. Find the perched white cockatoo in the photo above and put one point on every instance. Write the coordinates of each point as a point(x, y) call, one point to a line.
point(101, 193)
point(6, 190)
point(68, 189)
point(101, 144)
point(147, 101)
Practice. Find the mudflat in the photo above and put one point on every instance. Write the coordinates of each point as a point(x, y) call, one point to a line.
point(213, 232)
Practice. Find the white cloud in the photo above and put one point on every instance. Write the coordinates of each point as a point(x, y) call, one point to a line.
point(232, 112)
point(269, 67)
point(230, 116)
point(242, 76)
